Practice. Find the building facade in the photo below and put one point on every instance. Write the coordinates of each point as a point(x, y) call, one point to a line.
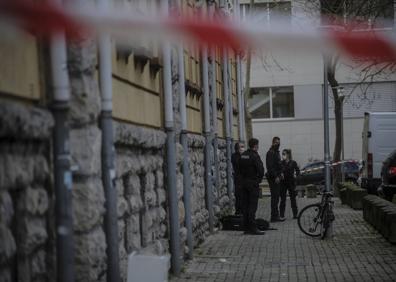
point(27, 194)
point(287, 91)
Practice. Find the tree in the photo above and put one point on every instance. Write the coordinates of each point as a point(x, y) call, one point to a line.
point(352, 15)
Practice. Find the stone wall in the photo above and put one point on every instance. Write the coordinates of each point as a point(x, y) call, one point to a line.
point(141, 192)
point(85, 144)
point(223, 205)
point(26, 194)
point(200, 213)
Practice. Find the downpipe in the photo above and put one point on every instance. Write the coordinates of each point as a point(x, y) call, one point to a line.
point(63, 181)
point(186, 155)
point(208, 176)
point(171, 154)
point(227, 122)
point(108, 154)
point(215, 141)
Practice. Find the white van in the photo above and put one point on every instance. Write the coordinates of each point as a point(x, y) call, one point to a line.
point(379, 140)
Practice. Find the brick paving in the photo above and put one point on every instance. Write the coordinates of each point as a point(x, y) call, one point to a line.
point(356, 253)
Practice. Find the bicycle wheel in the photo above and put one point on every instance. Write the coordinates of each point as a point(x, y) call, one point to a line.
point(310, 220)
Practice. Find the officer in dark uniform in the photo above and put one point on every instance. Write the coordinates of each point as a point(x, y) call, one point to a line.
point(274, 177)
point(252, 171)
point(290, 171)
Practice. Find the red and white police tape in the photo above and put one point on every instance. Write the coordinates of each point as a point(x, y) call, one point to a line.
point(45, 18)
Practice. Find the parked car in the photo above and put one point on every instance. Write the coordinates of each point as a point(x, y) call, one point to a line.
point(313, 173)
point(388, 175)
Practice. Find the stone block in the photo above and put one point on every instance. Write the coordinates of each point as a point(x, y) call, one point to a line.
point(135, 204)
point(122, 206)
point(90, 255)
point(19, 121)
point(356, 197)
point(121, 230)
point(161, 196)
point(34, 201)
point(88, 204)
point(6, 208)
point(32, 233)
point(16, 171)
point(181, 212)
point(159, 179)
point(85, 147)
point(132, 185)
point(38, 264)
point(7, 244)
point(41, 170)
point(138, 136)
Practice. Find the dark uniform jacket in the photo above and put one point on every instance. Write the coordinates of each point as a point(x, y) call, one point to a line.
point(235, 158)
point(288, 169)
point(251, 166)
point(273, 162)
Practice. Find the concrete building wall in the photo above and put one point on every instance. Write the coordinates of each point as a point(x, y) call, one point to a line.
point(305, 138)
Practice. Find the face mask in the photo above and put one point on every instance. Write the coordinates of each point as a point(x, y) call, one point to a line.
point(284, 157)
point(276, 146)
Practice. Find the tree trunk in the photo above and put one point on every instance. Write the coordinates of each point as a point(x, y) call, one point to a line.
point(338, 104)
point(246, 94)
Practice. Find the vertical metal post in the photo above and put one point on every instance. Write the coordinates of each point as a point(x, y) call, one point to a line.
point(171, 154)
point(326, 135)
point(108, 153)
point(326, 125)
point(342, 144)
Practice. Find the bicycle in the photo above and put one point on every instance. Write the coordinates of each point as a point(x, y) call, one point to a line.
point(314, 220)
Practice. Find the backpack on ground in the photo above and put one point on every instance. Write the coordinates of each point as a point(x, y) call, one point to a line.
point(234, 223)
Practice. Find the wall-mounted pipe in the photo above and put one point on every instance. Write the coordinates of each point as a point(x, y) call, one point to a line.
point(237, 15)
point(184, 141)
point(208, 143)
point(227, 110)
point(212, 11)
point(108, 153)
point(62, 173)
point(170, 154)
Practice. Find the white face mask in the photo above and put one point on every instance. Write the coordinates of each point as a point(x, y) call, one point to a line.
point(284, 157)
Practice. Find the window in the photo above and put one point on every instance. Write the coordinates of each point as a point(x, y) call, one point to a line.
point(269, 12)
point(272, 102)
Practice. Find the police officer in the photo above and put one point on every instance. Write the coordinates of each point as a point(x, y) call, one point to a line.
point(252, 171)
point(290, 171)
point(274, 177)
point(235, 158)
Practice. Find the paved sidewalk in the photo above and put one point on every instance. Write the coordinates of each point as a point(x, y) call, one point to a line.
point(356, 253)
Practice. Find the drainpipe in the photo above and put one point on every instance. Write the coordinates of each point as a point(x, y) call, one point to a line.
point(170, 153)
point(212, 10)
point(238, 79)
point(108, 152)
point(227, 121)
point(206, 104)
point(62, 173)
point(186, 155)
